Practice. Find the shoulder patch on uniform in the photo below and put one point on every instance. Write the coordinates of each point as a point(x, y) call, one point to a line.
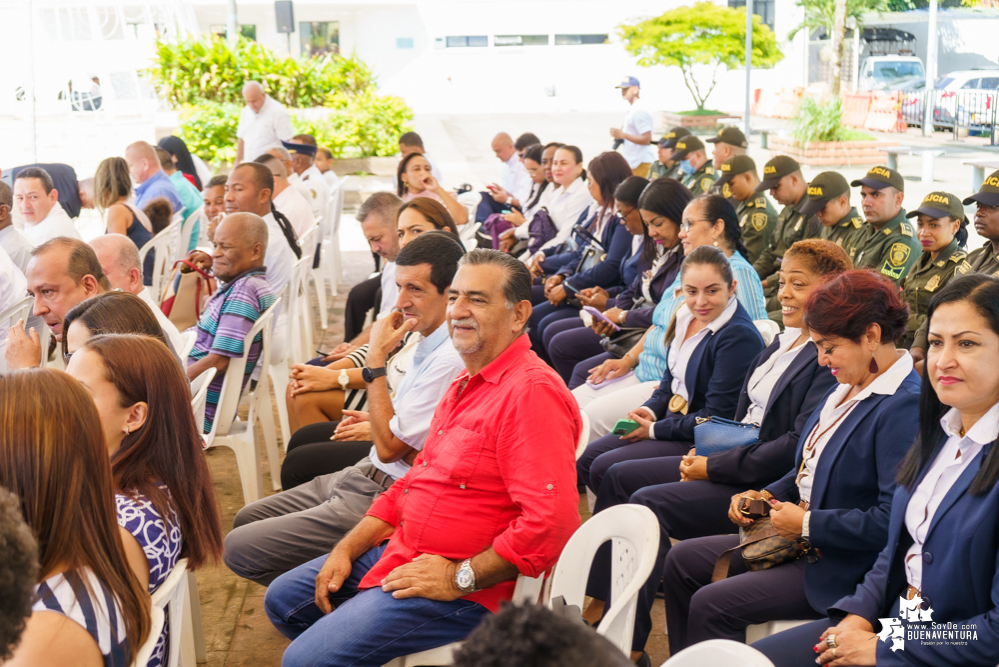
point(898, 253)
point(761, 202)
point(933, 283)
point(759, 221)
point(707, 183)
point(857, 222)
point(893, 272)
point(964, 268)
point(906, 229)
point(957, 256)
point(709, 170)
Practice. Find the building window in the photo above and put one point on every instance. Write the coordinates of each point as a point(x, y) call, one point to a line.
point(575, 40)
point(249, 31)
point(762, 8)
point(467, 40)
point(403, 42)
point(319, 37)
point(520, 40)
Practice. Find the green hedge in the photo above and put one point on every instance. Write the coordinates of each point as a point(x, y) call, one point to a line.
point(204, 78)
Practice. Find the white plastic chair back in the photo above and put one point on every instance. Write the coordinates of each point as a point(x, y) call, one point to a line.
point(45, 335)
point(719, 653)
point(172, 599)
point(584, 434)
point(145, 652)
point(768, 329)
point(633, 531)
point(296, 335)
point(199, 395)
point(185, 231)
point(755, 633)
point(17, 311)
point(188, 337)
point(330, 259)
point(165, 244)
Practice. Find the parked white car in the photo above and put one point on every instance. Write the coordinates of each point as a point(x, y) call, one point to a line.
point(880, 72)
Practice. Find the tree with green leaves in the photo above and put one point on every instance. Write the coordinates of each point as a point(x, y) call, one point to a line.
point(700, 34)
point(822, 14)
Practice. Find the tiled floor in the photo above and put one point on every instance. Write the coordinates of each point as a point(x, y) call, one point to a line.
point(237, 632)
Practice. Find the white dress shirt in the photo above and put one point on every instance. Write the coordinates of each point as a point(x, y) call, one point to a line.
point(523, 232)
point(887, 383)
point(515, 178)
point(13, 288)
point(169, 328)
point(434, 367)
point(390, 291)
point(263, 131)
point(17, 246)
point(279, 257)
point(765, 377)
point(565, 206)
point(56, 223)
point(315, 191)
point(296, 209)
point(954, 457)
point(331, 178)
point(680, 350)
point(637, 121)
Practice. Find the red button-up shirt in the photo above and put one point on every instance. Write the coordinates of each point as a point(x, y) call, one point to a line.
point(498, 469)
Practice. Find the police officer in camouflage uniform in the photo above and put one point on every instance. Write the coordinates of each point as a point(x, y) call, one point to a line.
point(829, 201)
point(757, 216)
point(729, 142)
point(983, 260)
point(886, 243)
point(699, 174)
point(783, 178)
point(941, 229)
point(666, 166)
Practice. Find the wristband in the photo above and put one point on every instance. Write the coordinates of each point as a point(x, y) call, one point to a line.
point(632, 357)
point(620, 318)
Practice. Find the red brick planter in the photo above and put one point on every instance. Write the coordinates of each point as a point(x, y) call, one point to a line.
point(822, 153)
point(671, 119)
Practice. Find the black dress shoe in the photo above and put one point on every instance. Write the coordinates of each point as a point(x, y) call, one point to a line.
point(644, 661)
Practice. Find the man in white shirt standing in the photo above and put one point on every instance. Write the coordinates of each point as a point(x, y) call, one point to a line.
point(515, 182)
point(636, 133)
point(303, 156)
point(120, 263)
point(12, 240)
point(263, 123)
point(38, 203)
point(288, 200)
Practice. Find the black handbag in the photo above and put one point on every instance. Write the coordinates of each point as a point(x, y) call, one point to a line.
point(622, 341)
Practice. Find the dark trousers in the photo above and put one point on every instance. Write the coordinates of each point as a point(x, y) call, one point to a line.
point(363, 297)
point(793, 647)
point(542, 317)
point(604, 452)
point(581, 371)
point(698, 610)
point(311, 454)
point(569, 342)
point(488, 206)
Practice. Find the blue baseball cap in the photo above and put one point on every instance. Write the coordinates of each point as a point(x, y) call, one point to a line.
point(628, 82)
point(303, 149)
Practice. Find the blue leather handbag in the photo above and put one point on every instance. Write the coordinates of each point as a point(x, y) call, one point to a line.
point(716, 434)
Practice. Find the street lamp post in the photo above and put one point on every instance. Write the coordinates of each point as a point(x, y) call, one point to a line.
point(749, 61)
point(231, 23)
point(931, 70)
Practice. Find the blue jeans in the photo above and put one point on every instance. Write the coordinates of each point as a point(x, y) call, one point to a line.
point(367, 628)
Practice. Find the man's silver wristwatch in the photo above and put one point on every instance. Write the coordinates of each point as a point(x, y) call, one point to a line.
point(464, 578)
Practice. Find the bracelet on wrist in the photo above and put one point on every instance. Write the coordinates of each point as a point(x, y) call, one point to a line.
point(632, 357)
point(621, 317)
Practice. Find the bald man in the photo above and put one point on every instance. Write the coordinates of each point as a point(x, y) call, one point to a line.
point(515, 183)
point(245, 293)
point(120, 263)
point(144, 165)
point(263, 123)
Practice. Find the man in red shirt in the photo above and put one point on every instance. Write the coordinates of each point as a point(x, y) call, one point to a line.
point(492, 495)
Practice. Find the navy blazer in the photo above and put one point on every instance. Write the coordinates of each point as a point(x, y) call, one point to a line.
point(557, 256)
point(641, 317)
point(960, 574)
point(852, 490)
point(714, 375)
point(801, 388)
point(616, 243)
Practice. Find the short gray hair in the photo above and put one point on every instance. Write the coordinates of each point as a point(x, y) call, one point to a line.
point(125, 254)
point(252, 226)
point(386, 205)
point(517, 286)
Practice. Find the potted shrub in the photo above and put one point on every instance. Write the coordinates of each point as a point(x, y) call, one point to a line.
point(820, 138)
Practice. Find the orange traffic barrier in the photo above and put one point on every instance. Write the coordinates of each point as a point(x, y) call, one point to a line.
point(856, 108)
point(885, 113)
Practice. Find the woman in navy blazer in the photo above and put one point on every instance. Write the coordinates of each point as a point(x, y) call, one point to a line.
point(836, 499)
point(714, 370)
point(943, 534)
point(697, 506)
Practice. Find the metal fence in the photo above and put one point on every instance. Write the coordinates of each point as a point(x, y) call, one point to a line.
point(956, 110)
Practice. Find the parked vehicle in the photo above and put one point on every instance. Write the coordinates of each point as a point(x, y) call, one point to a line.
point(964, 98)
point(880, 72)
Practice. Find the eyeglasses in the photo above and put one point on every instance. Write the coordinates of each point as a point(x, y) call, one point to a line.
point(685, 225)
point(625, 214)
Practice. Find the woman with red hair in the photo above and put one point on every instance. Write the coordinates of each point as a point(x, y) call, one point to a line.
point(835, 502)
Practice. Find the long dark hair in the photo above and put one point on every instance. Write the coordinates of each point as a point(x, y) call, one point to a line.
point(609, 170)
point(536, 153)
point(403, 163)
point(114, 313)
point(982, 293)
point(289, 233)
point(176, 147)
point(629, 192)
point(431, 209)
point(717, 208)
point(666, 197)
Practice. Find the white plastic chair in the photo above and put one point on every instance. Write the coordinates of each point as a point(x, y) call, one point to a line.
point(188, 337)
point(309, 243)
point(199, 395)
point(719, 653)
point(230, 431)
point(768, 329)
point(755, 633)
point(173, 598)
point(17, 311)
point(527, 591)
point(165, 244)
point(584, 434)
point(634, 535)
point(145, 651)
point(330, 261)
point(185, 232)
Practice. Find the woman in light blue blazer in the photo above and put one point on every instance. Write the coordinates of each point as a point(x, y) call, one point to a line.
point(943, 532)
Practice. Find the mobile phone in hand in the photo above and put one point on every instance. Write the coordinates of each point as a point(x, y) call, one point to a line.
point(624, 426)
